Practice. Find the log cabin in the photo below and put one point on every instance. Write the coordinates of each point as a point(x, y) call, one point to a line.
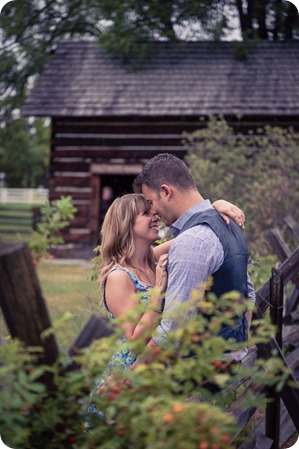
point(108, 117)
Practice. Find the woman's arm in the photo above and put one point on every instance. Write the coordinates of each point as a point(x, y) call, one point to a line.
point(121, 300)
point(161, 249)
point(228, 210)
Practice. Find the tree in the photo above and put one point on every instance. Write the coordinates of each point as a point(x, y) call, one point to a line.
point(24, 152)
point(257, 171)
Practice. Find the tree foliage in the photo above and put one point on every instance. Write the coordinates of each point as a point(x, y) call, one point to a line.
point(24, 152)
point(258, 171)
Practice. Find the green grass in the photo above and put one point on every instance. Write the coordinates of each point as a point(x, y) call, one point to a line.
point(66, 288)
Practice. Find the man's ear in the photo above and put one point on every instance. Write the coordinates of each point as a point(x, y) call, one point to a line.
point(166, 191)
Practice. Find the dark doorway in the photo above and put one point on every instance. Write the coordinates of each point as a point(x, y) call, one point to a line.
point(113, 186)
point(120, 184)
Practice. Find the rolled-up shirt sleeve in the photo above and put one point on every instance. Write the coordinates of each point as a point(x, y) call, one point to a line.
point(193, 256)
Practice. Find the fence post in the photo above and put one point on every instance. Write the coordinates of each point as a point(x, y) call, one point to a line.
point(272, 429)
point(23, 305)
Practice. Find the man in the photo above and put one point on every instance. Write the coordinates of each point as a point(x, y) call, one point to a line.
point(204, 245)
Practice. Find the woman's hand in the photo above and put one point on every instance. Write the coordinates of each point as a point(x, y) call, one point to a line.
point(228, 210)
point(161, 273)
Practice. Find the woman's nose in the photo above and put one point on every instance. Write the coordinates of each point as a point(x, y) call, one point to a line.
point(155, 216)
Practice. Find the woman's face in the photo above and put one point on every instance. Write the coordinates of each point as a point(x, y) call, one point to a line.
point(146, 225)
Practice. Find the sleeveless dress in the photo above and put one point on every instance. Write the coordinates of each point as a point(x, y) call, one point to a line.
point(124, 357)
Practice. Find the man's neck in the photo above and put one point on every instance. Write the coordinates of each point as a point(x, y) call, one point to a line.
point(185, 201)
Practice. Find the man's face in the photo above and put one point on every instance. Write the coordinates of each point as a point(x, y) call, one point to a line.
point(160, 204)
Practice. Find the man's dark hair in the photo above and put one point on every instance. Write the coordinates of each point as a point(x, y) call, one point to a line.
point(164, 168)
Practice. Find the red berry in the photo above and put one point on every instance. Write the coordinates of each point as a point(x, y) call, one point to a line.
point(168, 418)
point(115, 389)
point(225, 438)
point(217, 364)
point(203, 445)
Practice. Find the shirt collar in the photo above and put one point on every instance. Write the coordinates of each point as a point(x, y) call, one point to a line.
point(180, 222)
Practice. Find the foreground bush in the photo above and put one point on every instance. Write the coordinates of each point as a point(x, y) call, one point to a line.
point(162, 405)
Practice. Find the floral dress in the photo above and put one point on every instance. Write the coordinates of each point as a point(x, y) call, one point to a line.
point(124, 357)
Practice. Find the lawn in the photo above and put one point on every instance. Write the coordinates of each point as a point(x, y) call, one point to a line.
point(67, 287)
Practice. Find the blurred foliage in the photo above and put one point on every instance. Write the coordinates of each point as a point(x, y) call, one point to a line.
point(55, 215)
point(24, 152)
point(257, 171)
point(164, 405)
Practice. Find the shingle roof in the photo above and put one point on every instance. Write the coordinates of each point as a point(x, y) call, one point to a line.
point(189, 79)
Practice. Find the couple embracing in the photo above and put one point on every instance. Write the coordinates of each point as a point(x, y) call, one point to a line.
point(205, 243)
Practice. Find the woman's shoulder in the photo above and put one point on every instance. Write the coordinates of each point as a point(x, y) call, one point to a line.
point(121, 273)
point(124, 275)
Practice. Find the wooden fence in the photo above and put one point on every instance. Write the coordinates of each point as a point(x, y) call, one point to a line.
point(23, 196)
point(21, 300)
point(19, 211)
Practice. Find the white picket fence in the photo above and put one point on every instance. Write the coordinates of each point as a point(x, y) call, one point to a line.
point(27, 196)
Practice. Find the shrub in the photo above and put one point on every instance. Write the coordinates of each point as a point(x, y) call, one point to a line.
point(257, 171)
point(159, 405)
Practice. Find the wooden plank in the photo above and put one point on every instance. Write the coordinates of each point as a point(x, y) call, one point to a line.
point(69, 181)
point(289, 394)
point(289, 269)
point(259, 441)
point(79, 195)
point(125, 152)
point(95, 209)
point(116, 141)
point(97, 327)
point(293, 225)
point(122, 124)
point(292, 301)
point(69, 166)
point(277, 242)
point(76, 236)
point(290, 335)
point(116, 169)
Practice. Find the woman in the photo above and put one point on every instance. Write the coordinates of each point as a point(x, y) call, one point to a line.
point(131, 266)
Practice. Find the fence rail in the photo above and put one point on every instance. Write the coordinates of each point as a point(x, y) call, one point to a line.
point(23, 196)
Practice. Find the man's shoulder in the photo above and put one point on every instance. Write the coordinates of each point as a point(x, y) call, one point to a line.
point(198, 232)
point(199, 236)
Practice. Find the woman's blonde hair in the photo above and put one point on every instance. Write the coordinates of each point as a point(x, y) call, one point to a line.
point(117, 242)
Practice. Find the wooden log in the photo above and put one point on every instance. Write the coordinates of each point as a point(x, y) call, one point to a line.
point(277, 242)
point(293, 225)
point(290, 335)
point(289, 269)
point(22, 303)
point(96, 327)
point(273, 407)
point(292, 301)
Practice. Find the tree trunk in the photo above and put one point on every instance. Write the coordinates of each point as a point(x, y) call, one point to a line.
point(261, 19)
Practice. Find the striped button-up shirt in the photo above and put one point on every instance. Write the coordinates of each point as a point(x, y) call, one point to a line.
point(194, 255)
